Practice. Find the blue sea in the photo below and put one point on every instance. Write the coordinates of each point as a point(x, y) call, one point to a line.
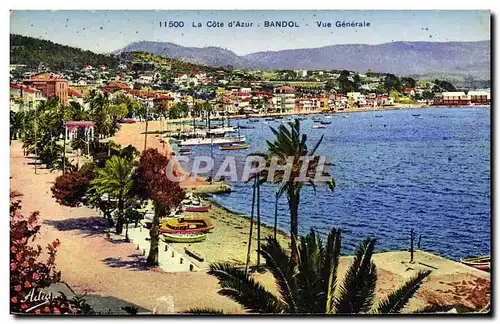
point(395, 172)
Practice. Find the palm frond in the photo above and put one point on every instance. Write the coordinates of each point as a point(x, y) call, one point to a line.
point(316, 146)
point(281, 267)
point(433, 309)
point(309, 280)
point(243, 289)
point(399, 298)
point(357, 291)
point(203, 311)
point(330, 266)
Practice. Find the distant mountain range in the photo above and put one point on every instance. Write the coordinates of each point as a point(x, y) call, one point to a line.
point(402, 58)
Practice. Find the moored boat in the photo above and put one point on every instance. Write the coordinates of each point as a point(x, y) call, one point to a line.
point(481, 263)
point(184, 237)
point(195, 209)
point(319, 126)
point(212, 141)
point(326, 122)
point(197, 224)
point(234, 147)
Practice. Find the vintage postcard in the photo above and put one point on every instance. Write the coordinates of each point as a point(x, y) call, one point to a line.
point(250, 162)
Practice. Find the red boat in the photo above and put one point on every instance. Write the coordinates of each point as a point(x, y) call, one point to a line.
point(481, 263)
point(184, 231)
point(196, 209)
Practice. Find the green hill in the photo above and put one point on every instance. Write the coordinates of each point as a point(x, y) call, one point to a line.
point(175, 65)
point(32, 52)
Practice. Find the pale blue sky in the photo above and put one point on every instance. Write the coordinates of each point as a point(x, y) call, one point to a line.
point(106, 31)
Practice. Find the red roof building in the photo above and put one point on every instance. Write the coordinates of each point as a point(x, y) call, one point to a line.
point(50, 85)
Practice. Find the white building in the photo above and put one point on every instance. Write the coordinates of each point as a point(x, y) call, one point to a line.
point(284, 99)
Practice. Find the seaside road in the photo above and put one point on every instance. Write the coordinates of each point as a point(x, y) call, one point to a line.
point(89, 262)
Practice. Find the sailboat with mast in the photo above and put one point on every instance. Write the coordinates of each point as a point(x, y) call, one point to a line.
point(214, 136)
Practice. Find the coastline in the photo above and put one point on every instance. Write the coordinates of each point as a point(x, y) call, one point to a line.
point(104, 270)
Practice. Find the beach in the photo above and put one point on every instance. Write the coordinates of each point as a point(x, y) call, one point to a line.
point(91, 262)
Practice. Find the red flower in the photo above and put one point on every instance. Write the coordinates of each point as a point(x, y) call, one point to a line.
point(37, 311)
point(14, 299)
point(19, 256)
point(36, 276)
point(25, 264)
point(56, 310)
point(27, 284)
point(18, 288)
point(13, 249)
point(24, 306)
point(46, 309)
point(13, 266)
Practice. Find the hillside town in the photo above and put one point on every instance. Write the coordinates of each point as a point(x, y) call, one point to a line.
point(153, 83)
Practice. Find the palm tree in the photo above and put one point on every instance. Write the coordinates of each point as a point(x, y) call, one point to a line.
point(276, 215)
point(208, 108)
point(290, 143)
point(313, 285)
point(115, 180)
point(254, 188)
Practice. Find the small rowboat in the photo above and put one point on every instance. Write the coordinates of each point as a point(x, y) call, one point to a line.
point(184, 237)
point(183, 150)
point(481, 263)
point(319, 126)
point(198, 224)
point(234, 147)
point(326, 122)
point(195, 209)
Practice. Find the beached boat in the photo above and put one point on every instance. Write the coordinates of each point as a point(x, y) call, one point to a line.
point(196, 224)
point(184, 238)
point(195, 209)
point(234, 147)
point(212, 141)
point(481, 263)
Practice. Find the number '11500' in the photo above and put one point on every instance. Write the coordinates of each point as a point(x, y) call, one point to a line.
point(172, 24)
